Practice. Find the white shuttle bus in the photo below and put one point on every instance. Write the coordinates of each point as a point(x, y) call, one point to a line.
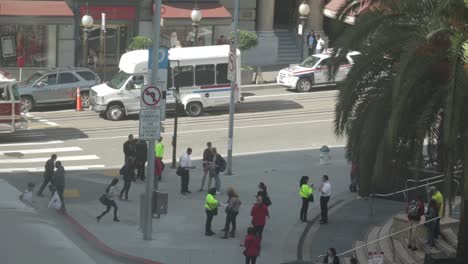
point(200, 72)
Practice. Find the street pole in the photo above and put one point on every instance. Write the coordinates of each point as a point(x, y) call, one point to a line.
point(233, 90)
point(151, 181)
point(302, 37)
point(85, 47)
point(176, 116)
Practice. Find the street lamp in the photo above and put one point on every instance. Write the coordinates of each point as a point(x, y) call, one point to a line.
point(87, 22)
point(196, 17)
point(176, 93)
point(304, 11)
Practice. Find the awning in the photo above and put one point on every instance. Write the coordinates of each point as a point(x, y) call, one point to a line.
point(357, 7)
point(183, 11)
point(35, 8)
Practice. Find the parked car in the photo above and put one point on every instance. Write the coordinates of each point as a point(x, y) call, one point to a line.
point(56, 86)
point(313, 72)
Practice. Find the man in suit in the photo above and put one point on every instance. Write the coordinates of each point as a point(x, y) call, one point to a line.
point(48, 173)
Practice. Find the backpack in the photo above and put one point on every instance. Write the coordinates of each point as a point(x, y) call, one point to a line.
point(413, 210)
point(222, 164)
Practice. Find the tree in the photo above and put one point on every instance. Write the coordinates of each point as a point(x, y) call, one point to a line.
point(410, 85)
point(140, 42)
point(245, 39)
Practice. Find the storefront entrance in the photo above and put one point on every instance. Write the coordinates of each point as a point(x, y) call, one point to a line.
point(286, 13)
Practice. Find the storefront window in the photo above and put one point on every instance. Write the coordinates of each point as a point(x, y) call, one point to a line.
point(186, 36)
point(28, 45)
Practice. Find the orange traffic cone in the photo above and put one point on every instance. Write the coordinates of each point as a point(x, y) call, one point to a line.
point(79, 107)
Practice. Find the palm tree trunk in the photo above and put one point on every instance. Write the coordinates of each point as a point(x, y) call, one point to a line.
point(462, 250)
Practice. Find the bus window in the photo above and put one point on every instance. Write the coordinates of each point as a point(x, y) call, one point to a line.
point(4, 96)
point(14, 88)
point(169, 78)
point(184, 76)
point(221, 73)
point(204, 74)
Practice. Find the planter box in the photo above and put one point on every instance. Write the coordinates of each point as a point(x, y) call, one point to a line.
point(247, 76)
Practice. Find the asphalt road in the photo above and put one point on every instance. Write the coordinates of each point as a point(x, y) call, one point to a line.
point(269, 120)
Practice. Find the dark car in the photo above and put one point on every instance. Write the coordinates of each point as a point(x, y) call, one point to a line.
point(56, 86)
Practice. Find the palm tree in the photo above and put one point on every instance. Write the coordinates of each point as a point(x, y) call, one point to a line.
point(410, 85)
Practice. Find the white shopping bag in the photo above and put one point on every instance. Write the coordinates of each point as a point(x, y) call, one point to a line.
point(55, 202)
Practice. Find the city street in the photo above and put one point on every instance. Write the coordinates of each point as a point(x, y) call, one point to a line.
point(269, 120)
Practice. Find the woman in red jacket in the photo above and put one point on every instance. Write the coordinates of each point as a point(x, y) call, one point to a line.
point(259, 214)
point(252, 246)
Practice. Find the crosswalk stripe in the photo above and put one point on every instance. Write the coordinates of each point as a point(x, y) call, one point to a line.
point(40, 169)
point(31, 160)
point(46, 150)
point(31, 144)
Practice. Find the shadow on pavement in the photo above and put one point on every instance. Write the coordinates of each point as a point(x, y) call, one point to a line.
point(42, 134)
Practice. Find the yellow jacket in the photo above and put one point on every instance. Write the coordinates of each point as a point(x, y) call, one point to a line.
point(211, 202)
point(159, 150)
point(306, 191)
point(439, 198)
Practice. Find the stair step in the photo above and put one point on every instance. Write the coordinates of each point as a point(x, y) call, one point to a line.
point(372, 235)
point(360, 254)
point(450, 236)
point(402, 253)
point(418, 254)
point(385, 245)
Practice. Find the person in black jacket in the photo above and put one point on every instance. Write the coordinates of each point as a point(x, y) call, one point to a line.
point(128, 173)
point(262, 191)
point(48, 173)
point(331, 257)
point(129, 148)
point(218, 165)
point(59, 182)
point(141, 158)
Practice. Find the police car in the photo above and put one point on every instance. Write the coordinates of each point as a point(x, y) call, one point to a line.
point(313, 71)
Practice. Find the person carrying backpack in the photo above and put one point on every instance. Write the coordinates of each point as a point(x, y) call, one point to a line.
point(415, 211)
point(262, 191)
point(219, 165)
point(107, 199)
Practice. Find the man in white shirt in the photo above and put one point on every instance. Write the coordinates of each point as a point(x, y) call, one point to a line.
point(325, 193)
point(186, 164)
point(320, 44)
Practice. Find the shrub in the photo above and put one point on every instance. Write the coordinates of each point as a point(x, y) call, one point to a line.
point(245, 39)
point(140, 42)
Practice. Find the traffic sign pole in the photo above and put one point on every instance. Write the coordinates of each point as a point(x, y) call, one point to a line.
point(233, 88)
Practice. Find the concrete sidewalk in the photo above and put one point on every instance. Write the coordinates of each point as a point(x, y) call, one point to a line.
point(179, 236)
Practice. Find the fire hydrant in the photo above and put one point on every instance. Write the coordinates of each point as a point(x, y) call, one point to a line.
point(325, 156)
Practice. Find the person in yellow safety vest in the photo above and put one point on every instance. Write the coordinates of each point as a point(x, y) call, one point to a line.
point(439, 198)
point(159, 154)
point(211, 208)
point(307, 195)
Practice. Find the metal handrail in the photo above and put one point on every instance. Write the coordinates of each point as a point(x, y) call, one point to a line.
point(382, 238)
point(373, 196)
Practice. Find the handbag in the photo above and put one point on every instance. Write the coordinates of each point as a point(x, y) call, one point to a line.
point(55, 202)
point(311, 198)
point(180, 171)
point(215, 211)
point(104, 199)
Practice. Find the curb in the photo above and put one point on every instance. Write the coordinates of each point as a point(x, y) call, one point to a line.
point(88, 236)
point(254, 87)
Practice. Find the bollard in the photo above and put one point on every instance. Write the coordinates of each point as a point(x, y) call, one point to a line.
point(325, 157)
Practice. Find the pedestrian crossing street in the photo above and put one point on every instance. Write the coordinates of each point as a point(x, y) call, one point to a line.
point(31, 157)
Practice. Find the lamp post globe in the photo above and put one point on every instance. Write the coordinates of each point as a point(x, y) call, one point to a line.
point(87, 21)
point(304, 10)
point(196, 16)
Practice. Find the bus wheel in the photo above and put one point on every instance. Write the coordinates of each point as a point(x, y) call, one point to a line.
point(26, 104)
point(194, 109)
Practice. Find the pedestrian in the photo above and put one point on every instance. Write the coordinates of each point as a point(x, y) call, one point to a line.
point(48, 173)
point(311, 42)
point(439, 198)
point(331, 257)
point(320, 45)
point(415, 210)
point(207, 161)
point(221, 41)
point(128, 174)
point(306, 192)
point(325, 193)
point(262, 191)
point(211, 209)
point(431, 214)
point(186, 165)
point(158, 162)
point(141, 158)
point(109, 201)
point(354, 177)
point(59, 182)
point(218, 165)
point(129, 148)
point(259, 214)
point(252, 246)
point(27, 195)
point(232, 209)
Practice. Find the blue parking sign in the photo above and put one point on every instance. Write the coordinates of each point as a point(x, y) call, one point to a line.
point(163, 58)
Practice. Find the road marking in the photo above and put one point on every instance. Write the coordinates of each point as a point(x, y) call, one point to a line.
point(36, 151)
point(71, 193)
point(219, 129)
point(285, 95)
point(69, 158)
point(41, 169)
point(31, 144)
point(48, 122)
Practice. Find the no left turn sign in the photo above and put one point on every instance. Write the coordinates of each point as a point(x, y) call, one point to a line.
point(151, 96)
